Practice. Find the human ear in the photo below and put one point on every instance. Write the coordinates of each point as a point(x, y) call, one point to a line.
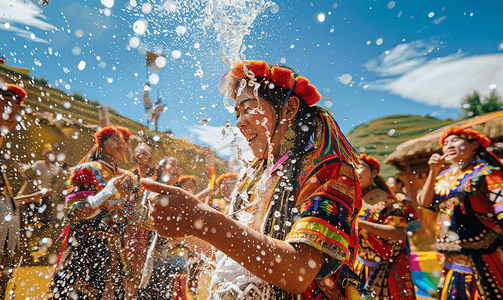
point(291, 107)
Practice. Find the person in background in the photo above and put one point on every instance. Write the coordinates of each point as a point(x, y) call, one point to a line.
point(101, 198)
point(11, 98)
point(188, 183)
point(382, 260)
point(142, 155)
point(465, 187)
point(226, 184)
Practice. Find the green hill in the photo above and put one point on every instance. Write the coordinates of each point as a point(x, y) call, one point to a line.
point(68, 123)
point(380, 137)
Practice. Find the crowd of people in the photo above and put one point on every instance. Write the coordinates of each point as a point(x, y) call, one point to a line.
point(308, 218)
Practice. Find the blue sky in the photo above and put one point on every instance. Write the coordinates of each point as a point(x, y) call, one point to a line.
point(373, 58)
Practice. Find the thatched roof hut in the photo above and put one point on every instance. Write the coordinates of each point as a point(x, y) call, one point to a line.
point(411, 158)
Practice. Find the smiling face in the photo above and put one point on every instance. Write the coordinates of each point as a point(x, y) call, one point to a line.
point(115, 147)
point(142, 155)
point(458, 150)
point(256, 119)
point(365, 175)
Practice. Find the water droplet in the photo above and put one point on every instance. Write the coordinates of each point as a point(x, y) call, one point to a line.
point(133, 3)
point(181, 29)
point(156, 138)
point(321, 17)
point(274, 8)
point(82, 65)
point(391, 4)
point(203, 107)
point(140, 26)
point(345, 78)
point(67, 104)
point(335, 5)
point(391, 132)
point(328, 104)
point(108, 3)
point(176, 54)
point(6, 25)
point(153, 78)
point(160, 61)
point(492, 86)
point(379, 41)
point(197, 45)
point(146, 8)
point(134, 42)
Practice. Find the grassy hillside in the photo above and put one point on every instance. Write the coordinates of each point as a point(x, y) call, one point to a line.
point(68, 124)
point(380, 137)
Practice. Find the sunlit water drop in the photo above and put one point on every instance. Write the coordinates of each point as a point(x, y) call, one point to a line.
point(82, 65)
point(345, 78)
point(140, 26)
point(176, 54)
point(321, 17)
point(160, 61)
point(134, 42)
point(67, 104)
point(108, 3)
point(146, 8)
point(181, 29)
point(275, 8)
point(153, 78)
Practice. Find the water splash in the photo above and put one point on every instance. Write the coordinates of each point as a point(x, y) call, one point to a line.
point(232, 20)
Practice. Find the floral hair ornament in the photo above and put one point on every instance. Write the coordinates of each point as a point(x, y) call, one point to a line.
point(279, 76)
point(187, 178)
point(225, 176)
point(465, 133)
point(371, 162)
point(21, 94)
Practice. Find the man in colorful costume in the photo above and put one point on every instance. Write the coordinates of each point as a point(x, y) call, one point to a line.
point(468, 198)
point(383, 261)
point(291, 229)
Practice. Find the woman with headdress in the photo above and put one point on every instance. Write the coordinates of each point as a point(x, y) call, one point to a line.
point(142, 155)
point(100, 199)
point(467, 196)
point(225, 183)
point(382, 260)
point(291, 230)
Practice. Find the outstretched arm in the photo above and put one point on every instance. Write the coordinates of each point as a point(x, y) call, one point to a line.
point(291, 267)
point(384, 231)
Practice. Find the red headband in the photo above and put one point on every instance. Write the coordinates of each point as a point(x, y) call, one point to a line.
point(465, 133)
point(20, 92)
point(225, 176)
point(125, 132)
point(185, 178)
point(105, 132)
point(282, 77)
point(371, 162)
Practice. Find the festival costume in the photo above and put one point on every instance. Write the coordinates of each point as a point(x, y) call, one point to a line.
point(321, 213)
point(102, 255)
point(383, 263)
point(469, 231)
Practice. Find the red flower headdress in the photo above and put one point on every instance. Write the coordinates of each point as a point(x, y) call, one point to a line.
point(225, 176)
point(282, 77)
point(186, 178)
point(105, 132)
point(20, 92)
point(371, 162)
point(465, 133)
point(125, 132)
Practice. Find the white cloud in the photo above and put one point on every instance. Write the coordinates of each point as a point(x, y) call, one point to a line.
point(24, 13)
point(443, 81)
point(220, 139)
